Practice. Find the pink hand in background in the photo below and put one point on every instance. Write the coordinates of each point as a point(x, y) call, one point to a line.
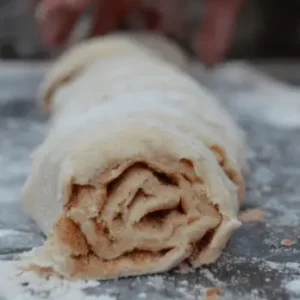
point(217, 29)
point(57, 18)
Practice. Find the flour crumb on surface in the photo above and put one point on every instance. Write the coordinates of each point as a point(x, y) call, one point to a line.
point(287, 242)
point(142, 295)
point(211, 277)
point(252, 215)
point(183, 282)
point(212, 293)
point(156, 281)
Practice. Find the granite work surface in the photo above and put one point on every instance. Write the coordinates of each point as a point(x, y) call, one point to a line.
point(254, 265)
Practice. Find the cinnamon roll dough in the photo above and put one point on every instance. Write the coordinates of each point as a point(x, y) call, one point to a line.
point(141, 168)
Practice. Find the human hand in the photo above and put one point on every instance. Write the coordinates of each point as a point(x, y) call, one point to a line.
point(58, 17)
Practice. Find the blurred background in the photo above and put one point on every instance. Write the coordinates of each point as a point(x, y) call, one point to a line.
point(263, 29)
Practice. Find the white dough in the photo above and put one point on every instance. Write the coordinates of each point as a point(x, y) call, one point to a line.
point(142, 167)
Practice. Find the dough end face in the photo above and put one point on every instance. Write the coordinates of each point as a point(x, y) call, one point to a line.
point(141, 218)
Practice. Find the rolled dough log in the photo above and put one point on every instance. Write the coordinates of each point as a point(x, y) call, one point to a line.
point(141, 169)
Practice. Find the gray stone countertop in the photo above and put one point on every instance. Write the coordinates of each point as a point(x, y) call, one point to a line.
point(254, 265)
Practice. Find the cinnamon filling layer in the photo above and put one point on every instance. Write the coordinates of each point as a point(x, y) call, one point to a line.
point(137, 210)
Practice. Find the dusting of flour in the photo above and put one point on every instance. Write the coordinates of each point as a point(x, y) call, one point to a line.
point(8, 232)
point(16, 284)
point(254, 93)
point(293, 287)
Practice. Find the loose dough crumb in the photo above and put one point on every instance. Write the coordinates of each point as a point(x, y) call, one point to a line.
point(252, 215)
point(212, 294)
point(287, 242)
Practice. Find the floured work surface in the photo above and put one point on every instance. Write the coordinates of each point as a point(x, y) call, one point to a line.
point(262, 260)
